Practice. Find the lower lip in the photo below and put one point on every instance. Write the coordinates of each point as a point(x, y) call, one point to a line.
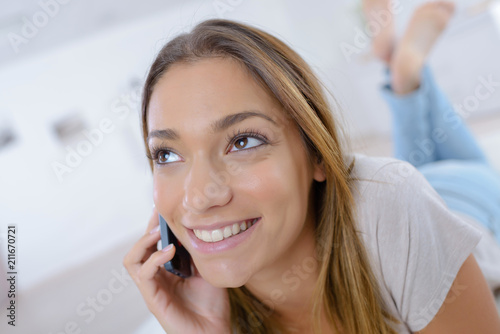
point(223, 245)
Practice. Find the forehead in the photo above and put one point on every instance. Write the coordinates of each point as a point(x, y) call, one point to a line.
point(207, 89)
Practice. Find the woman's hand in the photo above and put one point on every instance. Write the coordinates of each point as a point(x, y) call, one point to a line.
point(181, 305)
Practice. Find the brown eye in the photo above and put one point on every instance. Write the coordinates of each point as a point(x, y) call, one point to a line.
point(165, 157)
point(241, 143)
point(245, 143)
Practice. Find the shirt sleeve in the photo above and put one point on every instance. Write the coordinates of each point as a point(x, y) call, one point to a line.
point(422, 246)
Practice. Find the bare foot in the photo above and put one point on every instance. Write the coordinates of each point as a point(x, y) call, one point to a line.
point(378, 15)
point(426, 25)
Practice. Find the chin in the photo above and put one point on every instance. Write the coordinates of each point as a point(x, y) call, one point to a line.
point(223, 277)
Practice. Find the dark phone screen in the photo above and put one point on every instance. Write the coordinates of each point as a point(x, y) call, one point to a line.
point(180, 265)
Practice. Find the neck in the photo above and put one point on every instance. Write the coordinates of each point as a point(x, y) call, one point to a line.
point(287, 286)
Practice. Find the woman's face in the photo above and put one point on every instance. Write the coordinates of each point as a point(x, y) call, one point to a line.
point(232, 177)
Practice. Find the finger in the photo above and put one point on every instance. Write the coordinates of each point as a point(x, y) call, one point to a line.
point(141, 250)
point(147, 273)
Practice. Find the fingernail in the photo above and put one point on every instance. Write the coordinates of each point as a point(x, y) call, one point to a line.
point(156, 229)
point(166, 249)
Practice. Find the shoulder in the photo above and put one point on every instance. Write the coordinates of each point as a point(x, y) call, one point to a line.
point(382, 170)
point(380, 183)
point(391, 198)
point(414, 242)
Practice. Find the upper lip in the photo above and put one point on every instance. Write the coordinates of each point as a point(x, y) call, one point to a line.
point(217, 225)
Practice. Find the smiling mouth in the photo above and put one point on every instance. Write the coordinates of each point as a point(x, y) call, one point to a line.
point(225, 232)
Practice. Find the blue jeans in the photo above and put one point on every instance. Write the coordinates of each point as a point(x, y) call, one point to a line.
point(429, 134)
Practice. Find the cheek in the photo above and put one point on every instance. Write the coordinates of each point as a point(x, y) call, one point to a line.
point(165, 195)
point(279, 183)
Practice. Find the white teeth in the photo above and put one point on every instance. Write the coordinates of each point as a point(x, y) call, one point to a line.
point(217, 235)
point(206, 236)
point(223, 233)
point(227, 232)
point(236, 228)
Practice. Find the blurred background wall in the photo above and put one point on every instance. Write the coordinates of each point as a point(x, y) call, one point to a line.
point(73, 174)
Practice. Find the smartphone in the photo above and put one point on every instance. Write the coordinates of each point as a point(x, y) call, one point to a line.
point(180, 265)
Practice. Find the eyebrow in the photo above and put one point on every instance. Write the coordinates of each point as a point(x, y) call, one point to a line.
point(217, 126)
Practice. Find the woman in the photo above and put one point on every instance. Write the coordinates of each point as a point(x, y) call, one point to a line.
point(240, 135)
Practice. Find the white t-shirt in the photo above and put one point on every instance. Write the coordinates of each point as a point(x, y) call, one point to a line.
point(415, 244)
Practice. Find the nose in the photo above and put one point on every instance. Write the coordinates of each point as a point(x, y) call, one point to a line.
point(206, 186)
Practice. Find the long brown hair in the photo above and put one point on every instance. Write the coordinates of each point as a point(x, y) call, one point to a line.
point(346, 290)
